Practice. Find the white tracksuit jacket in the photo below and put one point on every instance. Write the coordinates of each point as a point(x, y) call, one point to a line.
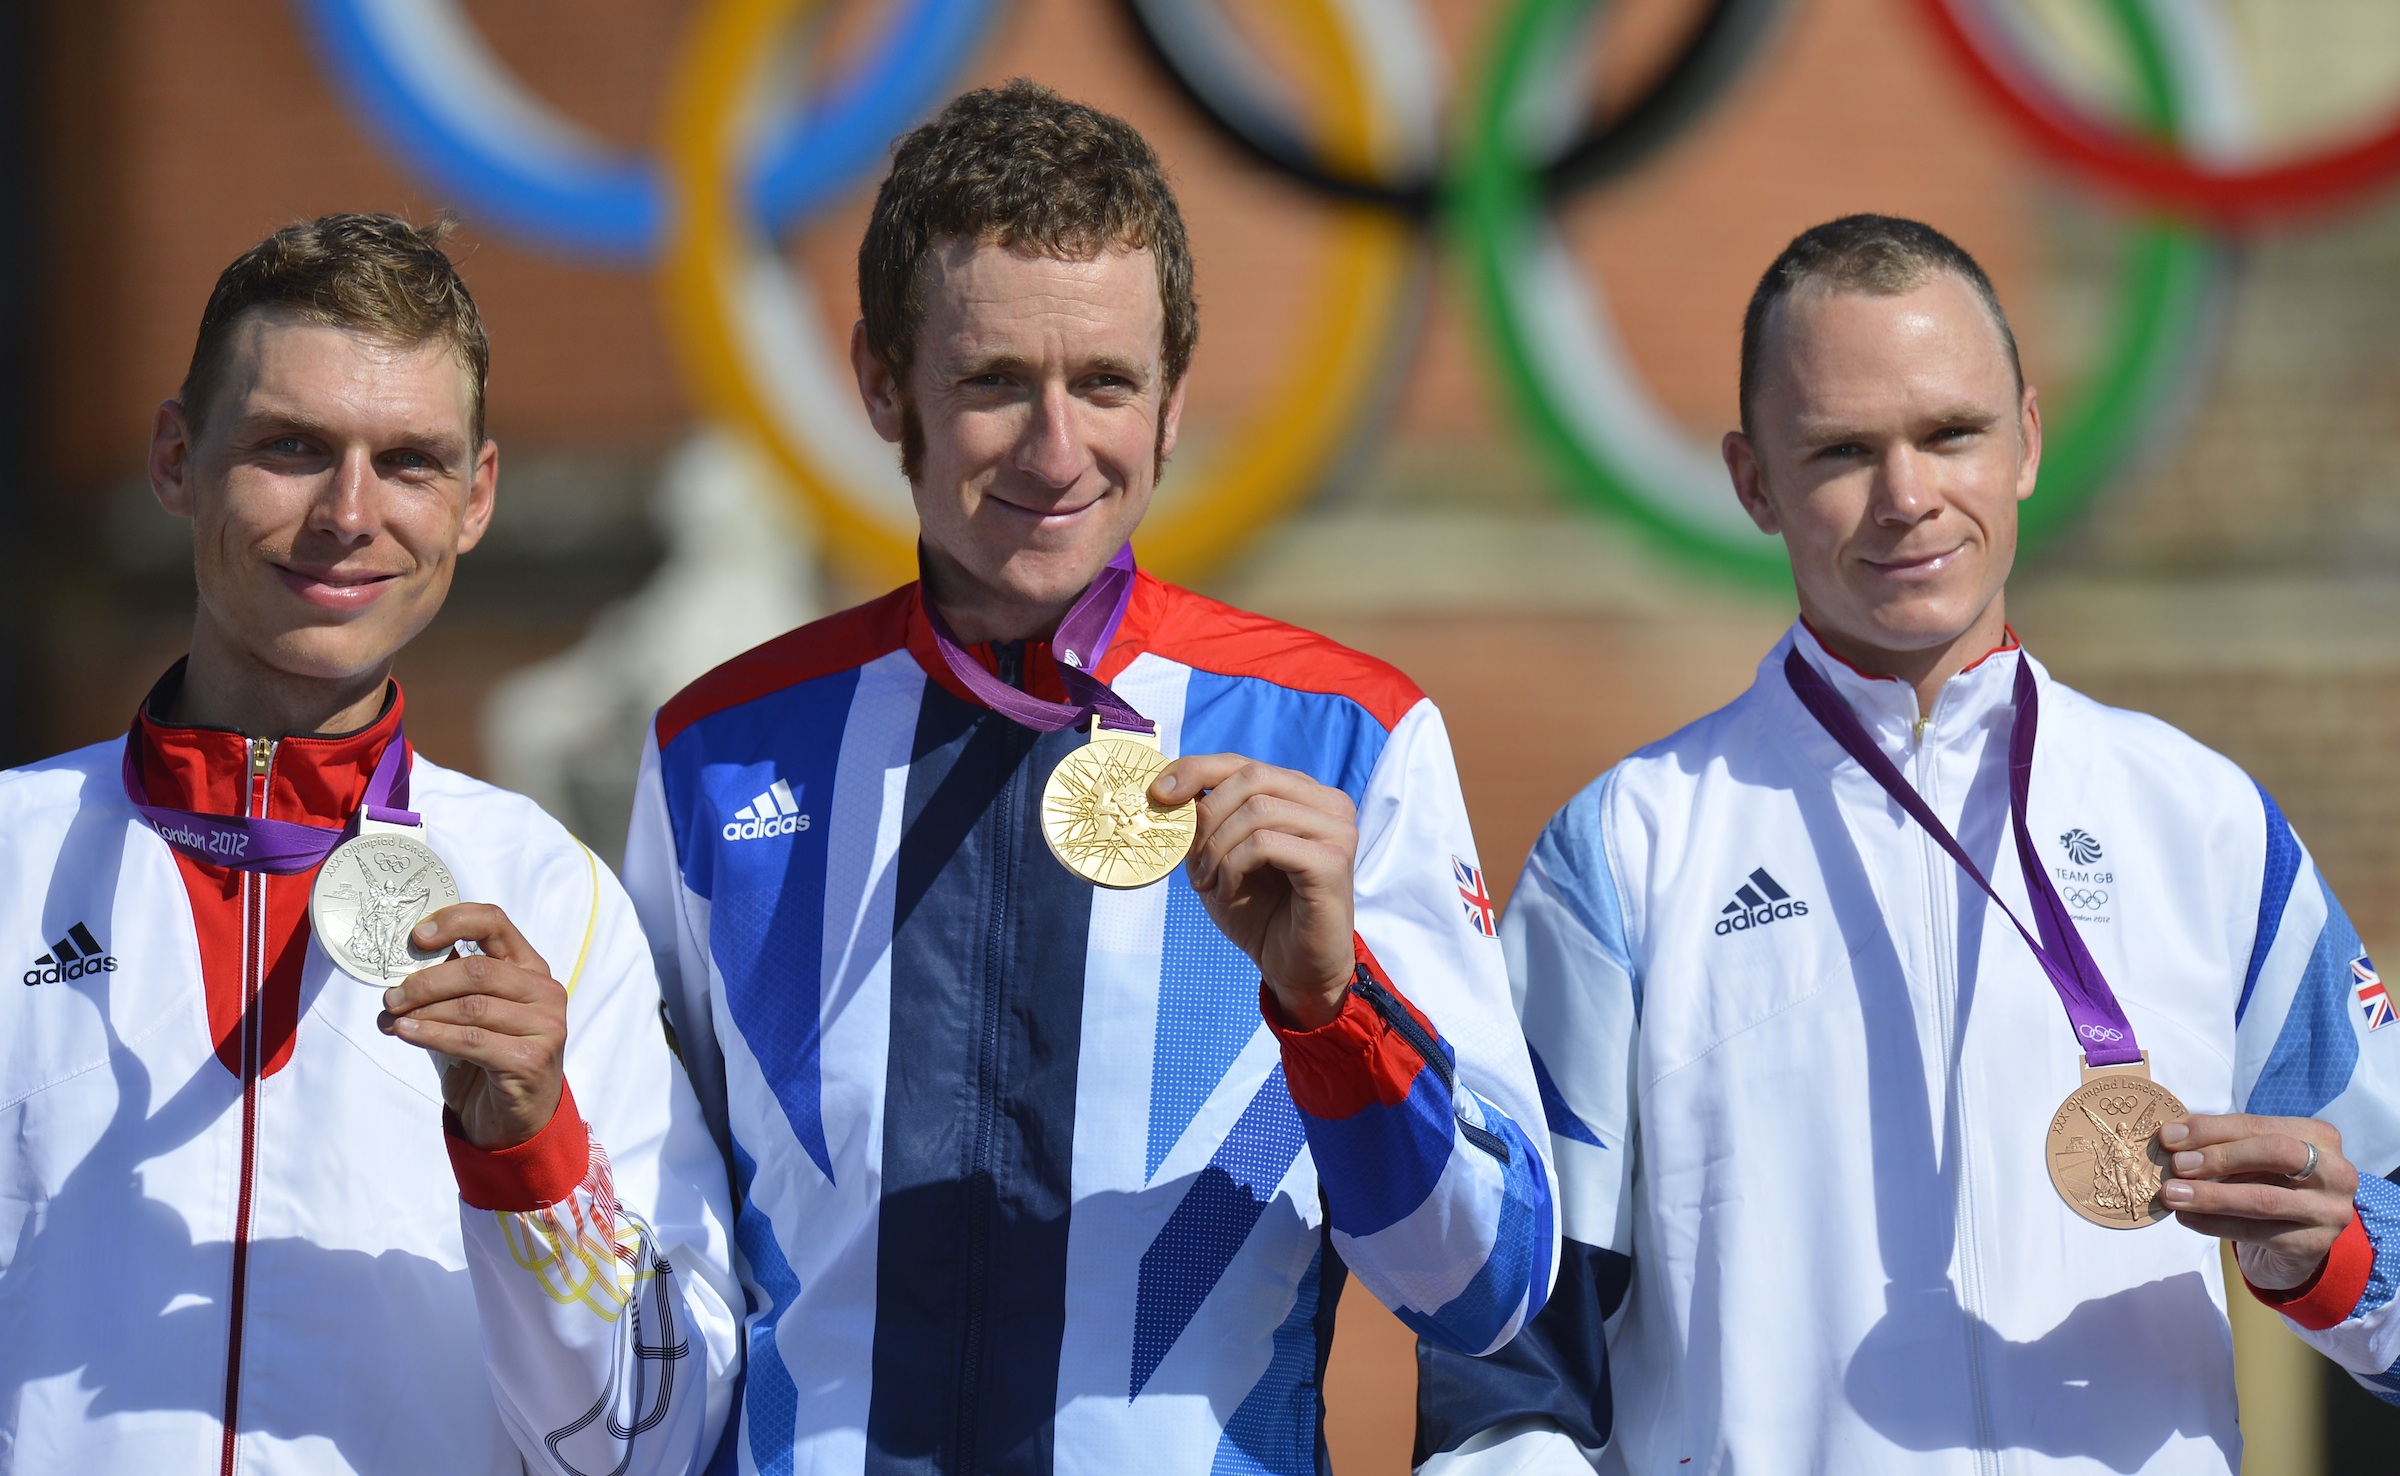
point(364, 1318)
point(1799, 1071)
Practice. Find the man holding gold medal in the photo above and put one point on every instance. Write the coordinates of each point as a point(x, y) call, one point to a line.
point(1914, 1028)
point(1077, 970)
point(247, 1221)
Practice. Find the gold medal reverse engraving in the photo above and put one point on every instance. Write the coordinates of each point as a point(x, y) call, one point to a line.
point(2105, 1157)
point(1097, 815)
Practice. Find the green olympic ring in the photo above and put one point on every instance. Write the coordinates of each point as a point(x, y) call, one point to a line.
point(1581, 397)
point(1619, 452)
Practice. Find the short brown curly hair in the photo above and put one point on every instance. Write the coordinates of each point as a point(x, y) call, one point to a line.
point(1019, 166)
point(372, 274)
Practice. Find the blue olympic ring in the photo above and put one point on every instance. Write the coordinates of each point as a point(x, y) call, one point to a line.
point(429, 87)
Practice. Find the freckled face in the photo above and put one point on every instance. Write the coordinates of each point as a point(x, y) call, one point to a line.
point(331, 490)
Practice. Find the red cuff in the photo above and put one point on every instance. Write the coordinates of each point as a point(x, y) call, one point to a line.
point(2328, 1298)
point(1352, 1061)
point(534, 1174)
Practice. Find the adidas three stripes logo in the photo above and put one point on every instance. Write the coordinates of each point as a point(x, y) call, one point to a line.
point(1756, 903)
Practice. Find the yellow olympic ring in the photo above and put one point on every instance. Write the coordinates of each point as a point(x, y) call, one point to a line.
point(752, 347)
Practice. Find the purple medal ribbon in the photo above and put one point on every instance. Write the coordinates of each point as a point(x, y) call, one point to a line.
point(1081, 641)
point(277, 847)
point(2091, 1005)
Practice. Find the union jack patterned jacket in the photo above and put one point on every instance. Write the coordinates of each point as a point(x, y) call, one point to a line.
point(1027, 1182)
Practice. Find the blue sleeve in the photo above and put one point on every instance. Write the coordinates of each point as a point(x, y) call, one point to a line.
point(1418, 1099)
point(1555, 1371)
point(2312, 1039)
point(1578, 1000)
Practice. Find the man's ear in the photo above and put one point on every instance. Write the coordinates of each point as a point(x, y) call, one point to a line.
point(2029, 425)
point(878, 387)
point(171, 458)
point(1170, 418)
point(482, 492)
point(1749, 481)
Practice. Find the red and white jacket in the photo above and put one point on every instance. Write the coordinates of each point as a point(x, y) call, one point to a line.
point(234, 1233)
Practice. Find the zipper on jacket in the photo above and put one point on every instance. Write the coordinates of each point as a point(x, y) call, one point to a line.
point(1396, 1017)
point(1009, 656)
point(252, 1027)
point(981, 1190)
point(1941, 954)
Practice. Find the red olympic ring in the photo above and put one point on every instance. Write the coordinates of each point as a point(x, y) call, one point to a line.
point(2154, 173)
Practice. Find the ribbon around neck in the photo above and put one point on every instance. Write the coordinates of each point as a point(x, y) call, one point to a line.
point(2099, 1021)
point(277, 847)
point(1082, 639)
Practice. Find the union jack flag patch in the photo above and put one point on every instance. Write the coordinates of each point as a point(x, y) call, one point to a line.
point(1477, 897)
point(2376, 1004)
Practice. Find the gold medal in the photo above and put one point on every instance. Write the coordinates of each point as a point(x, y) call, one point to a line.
point(1098, 818)
point(2105, 1157)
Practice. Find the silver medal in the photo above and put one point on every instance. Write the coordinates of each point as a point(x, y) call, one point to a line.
point(370, 895)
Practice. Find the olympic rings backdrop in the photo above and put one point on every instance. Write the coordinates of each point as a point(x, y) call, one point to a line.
point(1479, 179)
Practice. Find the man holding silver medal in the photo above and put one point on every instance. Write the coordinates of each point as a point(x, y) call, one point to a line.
point(245, 1222)
point(1914, 1028)
point(1055, 1144)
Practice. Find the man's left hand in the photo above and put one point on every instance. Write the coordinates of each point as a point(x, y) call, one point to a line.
point(1272, 862)
point(498, 1013)
point(2232, 1178)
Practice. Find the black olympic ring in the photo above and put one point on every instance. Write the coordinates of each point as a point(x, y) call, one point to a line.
point(2088, 898)
point(1711, 57)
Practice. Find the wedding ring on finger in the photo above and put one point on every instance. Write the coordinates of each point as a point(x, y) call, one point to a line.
point(2309, 1170)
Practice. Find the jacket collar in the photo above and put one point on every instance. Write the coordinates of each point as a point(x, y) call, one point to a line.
point(1978, 698)
point(316, 779)
point(1142, 615)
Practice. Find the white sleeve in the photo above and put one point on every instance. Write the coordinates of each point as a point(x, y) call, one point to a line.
point(1417, 1099)
point(1543, 1403)
point(2309, 1043)
point(676, 923)
point(608, 1301)
point(1529, 1449)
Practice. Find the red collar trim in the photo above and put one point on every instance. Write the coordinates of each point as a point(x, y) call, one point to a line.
point(2008, 642)
point(313, 779)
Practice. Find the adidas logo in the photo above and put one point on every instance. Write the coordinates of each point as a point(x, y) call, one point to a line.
point(776, 812)
point(71, 957)
point(1756, 903)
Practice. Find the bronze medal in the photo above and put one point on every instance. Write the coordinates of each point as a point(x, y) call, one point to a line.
point(2104, 1155)
point(1098, 818)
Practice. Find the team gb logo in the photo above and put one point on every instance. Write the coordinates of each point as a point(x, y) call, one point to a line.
point(2082, 847)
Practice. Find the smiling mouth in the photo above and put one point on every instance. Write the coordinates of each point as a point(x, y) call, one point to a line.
point(1917, 564)
point(335, 589)
point(1044, 514)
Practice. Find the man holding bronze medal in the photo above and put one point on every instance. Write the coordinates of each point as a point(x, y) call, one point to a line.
point(1914, 1028)
point(247, 1221)
point(1077, 969)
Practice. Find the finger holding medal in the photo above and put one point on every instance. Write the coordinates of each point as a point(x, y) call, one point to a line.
point(2279, 1188)
point(498, 1015)
point(1272, 859)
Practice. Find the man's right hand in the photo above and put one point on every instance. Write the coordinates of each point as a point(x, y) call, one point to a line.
point(498, 1013)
